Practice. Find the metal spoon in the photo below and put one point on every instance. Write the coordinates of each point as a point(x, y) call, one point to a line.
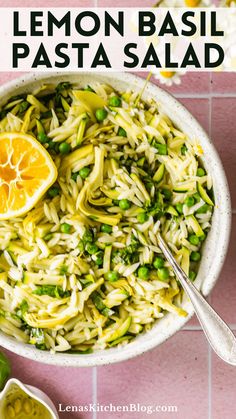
point(218, 334)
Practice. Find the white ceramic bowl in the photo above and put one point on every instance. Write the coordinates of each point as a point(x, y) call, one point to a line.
point(216, 244)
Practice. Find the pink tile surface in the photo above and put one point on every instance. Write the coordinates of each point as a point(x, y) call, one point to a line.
point(47, 3)
point(224, 294)
point(125, 3)
point(68, 386)
point(223, 135)
point(175, 374)
point(224, 82)
point(190, 83)
point(5, 77)
point(200, 110)
point(223, 390)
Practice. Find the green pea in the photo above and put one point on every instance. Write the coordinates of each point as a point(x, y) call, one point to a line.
point(114, 101)
point(158, 262)
point(124, 204)
point(142, 217)
point(203, 209)
point(163, 274)
point(42, 137)
point(192, 275)
point(91, 248)
point(195, 256)
point(200, 172)
point(143, 272)
point(111, 276)
point(64, 148)
point(193, 239)
point(48, 237)
point(88, 236)
point(179, 208)
point(101, 114)
point(189, 201)
point(53, 191)
point(105, 228)
point(84, 172)
point(167, 194)
point(122, 132)
point(65, 228)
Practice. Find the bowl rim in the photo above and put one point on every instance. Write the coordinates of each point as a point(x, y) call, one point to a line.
point(129, 351)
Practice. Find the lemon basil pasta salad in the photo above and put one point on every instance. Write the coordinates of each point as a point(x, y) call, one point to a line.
point(88, 177)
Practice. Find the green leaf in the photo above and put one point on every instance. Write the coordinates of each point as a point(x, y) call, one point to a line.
point(51, 290)
point(23, 308)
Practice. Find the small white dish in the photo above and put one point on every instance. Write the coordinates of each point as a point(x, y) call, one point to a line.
point(215, 247)
point(13, 385)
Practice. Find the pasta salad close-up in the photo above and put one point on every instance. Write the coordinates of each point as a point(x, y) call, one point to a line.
point(89, 176)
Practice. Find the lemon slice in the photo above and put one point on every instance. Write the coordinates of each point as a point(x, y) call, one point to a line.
point(26, 172)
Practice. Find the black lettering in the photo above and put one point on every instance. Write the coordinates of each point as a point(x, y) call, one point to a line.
point(92, 31)
point(16, 31)
point(168, 63)
point(129, 54)
point(151, 58)
point(34, 23)
point(118, 26)
point(101, 58)
point(221, 55)
point(214, 31)
point(80, 48)
point(190, 58)
point(52, 20)
point(143, 23)
point(19, 51)
point(41, 58)
point(203, 23)
point(188, 23)
point(61, 54)
point(168, 26)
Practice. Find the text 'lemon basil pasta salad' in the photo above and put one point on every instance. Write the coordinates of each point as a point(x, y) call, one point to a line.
point(88, 176)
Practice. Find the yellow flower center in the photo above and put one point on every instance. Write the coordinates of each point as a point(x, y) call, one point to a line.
point(192, 3)
point(228, 2)
point(167, 74)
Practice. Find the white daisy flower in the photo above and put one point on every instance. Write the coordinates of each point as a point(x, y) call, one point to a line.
point(184, 3)
point(169, 77)
point(228, 3)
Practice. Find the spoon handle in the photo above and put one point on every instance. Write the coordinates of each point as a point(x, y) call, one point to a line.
point(218, 334)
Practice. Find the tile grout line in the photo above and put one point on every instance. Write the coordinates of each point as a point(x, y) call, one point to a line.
point(94, 388)
point(94, 371)
point(204, 95)
point(209, 347)
point(209, 382)
point(196, 328)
